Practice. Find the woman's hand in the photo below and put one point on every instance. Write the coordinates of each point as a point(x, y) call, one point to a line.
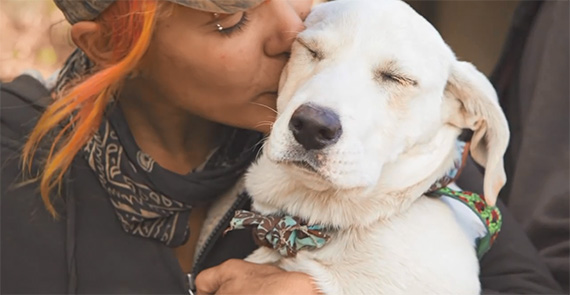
point(240, 277)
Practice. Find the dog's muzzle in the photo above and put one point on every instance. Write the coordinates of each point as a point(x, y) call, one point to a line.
point(315, 127)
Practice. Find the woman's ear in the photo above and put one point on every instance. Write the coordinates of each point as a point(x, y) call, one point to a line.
point(90, 38)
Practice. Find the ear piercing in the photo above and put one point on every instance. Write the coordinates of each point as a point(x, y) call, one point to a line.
point(218, 26)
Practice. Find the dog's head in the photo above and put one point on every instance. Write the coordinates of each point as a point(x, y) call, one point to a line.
point(373, 100)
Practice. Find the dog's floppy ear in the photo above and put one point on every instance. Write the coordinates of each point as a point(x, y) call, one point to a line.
point(472, 103)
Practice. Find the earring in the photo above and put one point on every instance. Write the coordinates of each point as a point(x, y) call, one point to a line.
point(218, 26)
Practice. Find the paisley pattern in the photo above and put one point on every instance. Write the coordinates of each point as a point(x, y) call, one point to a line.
point(286, 234)
point(145, 161)
point(141, 210)
point(74, 69)
point(153, 202)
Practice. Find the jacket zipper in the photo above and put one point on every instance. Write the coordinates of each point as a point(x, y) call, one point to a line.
point(241, 200)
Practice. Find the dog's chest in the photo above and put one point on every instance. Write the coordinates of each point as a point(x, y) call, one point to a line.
point(419, 252)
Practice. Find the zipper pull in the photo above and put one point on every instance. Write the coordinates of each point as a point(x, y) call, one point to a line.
point(190, 284)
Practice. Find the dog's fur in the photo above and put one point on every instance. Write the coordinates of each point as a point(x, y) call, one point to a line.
point(402, 98)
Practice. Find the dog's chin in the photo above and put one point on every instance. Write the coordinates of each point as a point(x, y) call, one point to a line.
point(303, 166)
point(317, 178)
point(306, 174)
point(320, 171)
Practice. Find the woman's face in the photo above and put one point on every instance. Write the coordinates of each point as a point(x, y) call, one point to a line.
point(229, 76)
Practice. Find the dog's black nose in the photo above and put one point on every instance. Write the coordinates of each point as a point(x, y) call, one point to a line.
point(315, 127)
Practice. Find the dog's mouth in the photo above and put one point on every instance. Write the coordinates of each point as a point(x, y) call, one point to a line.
point(298, 161)
point(303, 165)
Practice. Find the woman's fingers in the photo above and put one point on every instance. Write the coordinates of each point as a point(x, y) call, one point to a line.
point(209, 280)
point(240, 277)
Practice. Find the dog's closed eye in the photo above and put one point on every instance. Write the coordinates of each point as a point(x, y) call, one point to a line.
point(390, 72)
point(390, 76)
point(312, 48)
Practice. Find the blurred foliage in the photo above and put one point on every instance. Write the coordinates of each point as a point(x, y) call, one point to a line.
point(34, 34)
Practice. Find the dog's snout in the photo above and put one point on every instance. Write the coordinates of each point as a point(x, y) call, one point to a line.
point(315, 127)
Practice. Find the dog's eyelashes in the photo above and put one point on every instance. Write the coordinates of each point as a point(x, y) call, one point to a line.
point(391, 77)
point(314, 53)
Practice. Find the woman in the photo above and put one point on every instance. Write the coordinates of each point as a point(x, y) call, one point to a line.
point(140, 153)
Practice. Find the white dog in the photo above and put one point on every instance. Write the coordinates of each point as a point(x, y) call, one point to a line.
point(370, 107)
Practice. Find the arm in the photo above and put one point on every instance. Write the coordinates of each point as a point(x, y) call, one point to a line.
point(513, 265)
point(33, 243)
point(537, 105)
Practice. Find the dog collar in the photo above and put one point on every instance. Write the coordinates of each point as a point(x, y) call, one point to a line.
point(489, 216)
point(286, 234)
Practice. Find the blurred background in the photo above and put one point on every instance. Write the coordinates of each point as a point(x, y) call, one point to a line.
point(35, 34)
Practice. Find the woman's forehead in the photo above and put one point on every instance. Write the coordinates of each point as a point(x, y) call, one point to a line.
point(82, 10)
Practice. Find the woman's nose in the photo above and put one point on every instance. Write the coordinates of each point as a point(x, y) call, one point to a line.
point(288, 24)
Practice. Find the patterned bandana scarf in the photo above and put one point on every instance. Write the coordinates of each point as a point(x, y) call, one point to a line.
point(153, 202)
point(76, 66)
point(150, 201)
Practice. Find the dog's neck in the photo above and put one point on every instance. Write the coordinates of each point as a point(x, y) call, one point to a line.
point(275, 191)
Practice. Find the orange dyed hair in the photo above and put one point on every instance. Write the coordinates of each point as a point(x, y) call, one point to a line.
point(128, 26)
